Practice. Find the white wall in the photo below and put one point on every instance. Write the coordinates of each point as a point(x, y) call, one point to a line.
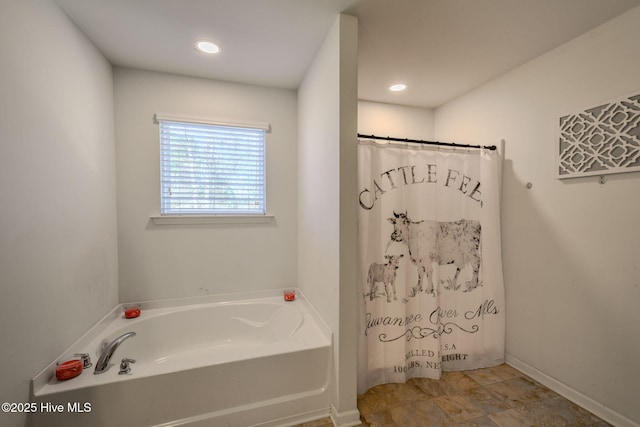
point(345, 406)
point(570, 248)
point(327, 116)
point(188, 260)
point(58, 259)
point(398, 121)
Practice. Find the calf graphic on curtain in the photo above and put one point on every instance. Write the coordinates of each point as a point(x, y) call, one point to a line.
point(430, 262)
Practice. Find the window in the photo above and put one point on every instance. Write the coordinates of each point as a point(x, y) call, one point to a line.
point(207, 168)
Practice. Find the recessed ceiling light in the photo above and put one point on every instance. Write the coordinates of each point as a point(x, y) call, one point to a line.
point(397, 87)
point(207, 47)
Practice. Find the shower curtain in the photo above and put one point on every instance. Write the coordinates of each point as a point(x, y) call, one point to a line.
point(430, 265)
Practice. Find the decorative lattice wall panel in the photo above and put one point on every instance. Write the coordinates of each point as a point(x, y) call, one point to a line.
point(601, 140)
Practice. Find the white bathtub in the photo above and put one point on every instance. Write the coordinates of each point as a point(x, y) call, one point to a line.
point(212, 361)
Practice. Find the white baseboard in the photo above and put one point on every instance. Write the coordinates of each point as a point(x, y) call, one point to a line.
point(596, 408)
point(346, 418)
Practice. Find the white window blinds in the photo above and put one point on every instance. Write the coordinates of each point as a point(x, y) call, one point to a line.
point(211, 169)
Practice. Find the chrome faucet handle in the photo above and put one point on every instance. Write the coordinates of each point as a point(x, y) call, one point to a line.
point(124, 366)
point(86, 359)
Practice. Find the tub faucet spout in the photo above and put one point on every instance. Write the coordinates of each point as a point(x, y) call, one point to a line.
point(103, 362)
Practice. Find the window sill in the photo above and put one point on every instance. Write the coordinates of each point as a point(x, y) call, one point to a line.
point(211, 219)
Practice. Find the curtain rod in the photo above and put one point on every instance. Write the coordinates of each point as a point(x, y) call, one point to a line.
point(421, 141)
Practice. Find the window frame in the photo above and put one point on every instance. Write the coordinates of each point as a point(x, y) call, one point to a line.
point(212, 217)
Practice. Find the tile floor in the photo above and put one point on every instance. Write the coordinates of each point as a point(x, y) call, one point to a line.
point(492, 397)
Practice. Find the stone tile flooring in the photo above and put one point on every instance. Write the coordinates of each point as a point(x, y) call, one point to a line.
point(492, 397)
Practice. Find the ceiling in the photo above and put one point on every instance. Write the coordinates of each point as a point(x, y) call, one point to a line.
point(439, 48)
